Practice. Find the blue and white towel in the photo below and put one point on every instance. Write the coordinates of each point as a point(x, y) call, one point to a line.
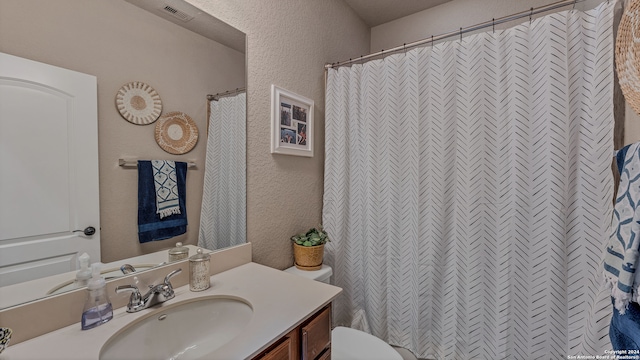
point(166, 185)
point(621, 258)
point(150, 226)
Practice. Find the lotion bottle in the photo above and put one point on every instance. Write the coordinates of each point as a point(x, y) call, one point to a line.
point(97, 308)
point(84, 274)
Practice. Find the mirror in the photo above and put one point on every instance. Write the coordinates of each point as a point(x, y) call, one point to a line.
point(119, 41)
point(56, 284)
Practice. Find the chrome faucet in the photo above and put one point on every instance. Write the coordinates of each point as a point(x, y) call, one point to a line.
point(127, 269)
point(156, 294)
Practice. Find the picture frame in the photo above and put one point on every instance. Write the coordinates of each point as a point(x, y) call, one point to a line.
point(291, 123)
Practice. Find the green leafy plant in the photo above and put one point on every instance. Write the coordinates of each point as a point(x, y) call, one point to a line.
point(313, 237)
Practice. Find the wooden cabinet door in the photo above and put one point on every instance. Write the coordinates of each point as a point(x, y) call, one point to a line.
point(316, 335)
point(326, 355)
point(285, 349)
point(281, 352)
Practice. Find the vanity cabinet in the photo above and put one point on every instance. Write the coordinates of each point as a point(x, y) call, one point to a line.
point(309, 341)
point(286, 348)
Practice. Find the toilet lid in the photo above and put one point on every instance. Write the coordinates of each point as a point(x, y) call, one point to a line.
point(351, 344)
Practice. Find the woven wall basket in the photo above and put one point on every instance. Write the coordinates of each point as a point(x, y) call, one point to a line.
point(628, 54)
point(308, 257)
point(138, 103)
point(176, 133)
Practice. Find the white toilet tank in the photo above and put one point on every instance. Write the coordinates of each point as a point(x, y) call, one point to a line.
point(322, 275)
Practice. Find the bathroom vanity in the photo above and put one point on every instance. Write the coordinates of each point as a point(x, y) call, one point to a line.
point(310, 340)
point(282, 316)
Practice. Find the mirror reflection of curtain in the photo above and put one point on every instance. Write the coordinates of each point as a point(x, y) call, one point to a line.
point(223, 216)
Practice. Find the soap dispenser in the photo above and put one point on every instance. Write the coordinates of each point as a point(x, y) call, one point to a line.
point(84, 274)
point(97, 308)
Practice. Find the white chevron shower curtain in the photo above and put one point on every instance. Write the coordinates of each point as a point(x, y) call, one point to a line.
point(223, 214)
point(468, 191)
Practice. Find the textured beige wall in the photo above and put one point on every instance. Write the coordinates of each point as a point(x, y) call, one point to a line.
point(631, 125)
point(118, 43)
point(288, 43)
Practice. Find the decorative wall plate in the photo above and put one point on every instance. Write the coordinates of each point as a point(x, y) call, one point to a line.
point(176, 133)
point(628, 54)
point(138, 103)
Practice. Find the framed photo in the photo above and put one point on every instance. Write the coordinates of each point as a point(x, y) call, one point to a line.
point(291, 123)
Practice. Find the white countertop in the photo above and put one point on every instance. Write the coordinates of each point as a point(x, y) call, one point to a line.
point(280, 302)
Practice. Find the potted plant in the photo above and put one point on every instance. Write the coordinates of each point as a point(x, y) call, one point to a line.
point(308, 248)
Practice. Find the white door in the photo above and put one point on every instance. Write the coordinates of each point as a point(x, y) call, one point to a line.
point(48, 169)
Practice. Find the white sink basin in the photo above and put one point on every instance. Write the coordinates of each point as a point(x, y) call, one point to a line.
point(190, 329)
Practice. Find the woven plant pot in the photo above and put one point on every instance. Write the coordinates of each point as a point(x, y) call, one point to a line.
point(308, 257)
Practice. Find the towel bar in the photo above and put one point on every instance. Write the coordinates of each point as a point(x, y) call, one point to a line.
point(191, 164)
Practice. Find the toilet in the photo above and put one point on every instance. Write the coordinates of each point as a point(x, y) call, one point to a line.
point(347, 343)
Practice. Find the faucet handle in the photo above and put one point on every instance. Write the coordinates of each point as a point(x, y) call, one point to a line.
point(170, 275)
point(167, 288)
point(132, 288)
point(135, 300)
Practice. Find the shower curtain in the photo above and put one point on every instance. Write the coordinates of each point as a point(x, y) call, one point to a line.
point(223, 214)
point(468, 191)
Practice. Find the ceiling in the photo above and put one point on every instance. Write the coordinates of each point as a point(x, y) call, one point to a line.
point(372, 12)
point(190, 17)
point(376, 12)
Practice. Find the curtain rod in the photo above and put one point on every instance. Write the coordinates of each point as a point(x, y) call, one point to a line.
point(494, 22)
point(217, 96)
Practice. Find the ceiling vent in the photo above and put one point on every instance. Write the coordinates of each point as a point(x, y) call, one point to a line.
point(177, 13)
